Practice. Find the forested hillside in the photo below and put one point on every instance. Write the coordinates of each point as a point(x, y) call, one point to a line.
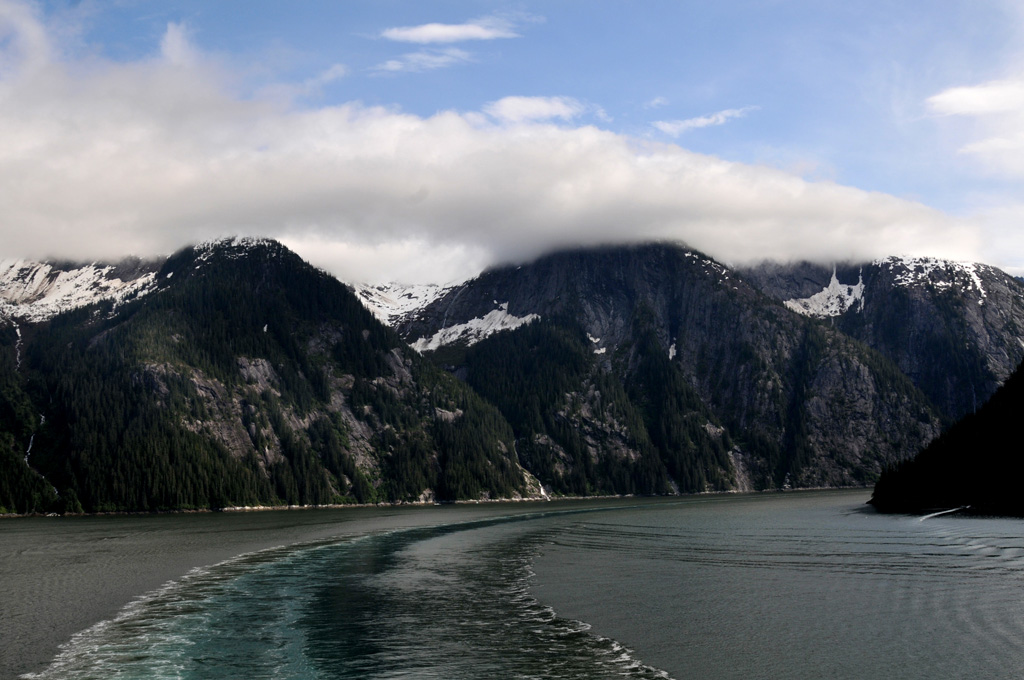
point(977, 464)
point(247, 378)
point(953, 328)
point(234, 373)
point(664, 369)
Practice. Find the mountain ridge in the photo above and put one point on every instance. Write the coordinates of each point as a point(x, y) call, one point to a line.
point(646, 369)
point(954, 328)
point(747, 358)
point(248, 377)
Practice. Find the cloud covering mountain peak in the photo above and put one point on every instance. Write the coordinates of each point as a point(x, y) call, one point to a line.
point(105, 156)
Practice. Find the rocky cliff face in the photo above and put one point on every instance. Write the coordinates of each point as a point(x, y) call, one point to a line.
point(808, 404)
point(36, 291)
point(243, 377)
point(954, 328)
point(234, 373)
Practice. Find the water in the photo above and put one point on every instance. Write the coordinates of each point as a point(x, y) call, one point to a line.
point(796, 586)
point(787, 586)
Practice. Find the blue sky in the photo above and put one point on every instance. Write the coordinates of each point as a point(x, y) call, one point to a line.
point(425, 140)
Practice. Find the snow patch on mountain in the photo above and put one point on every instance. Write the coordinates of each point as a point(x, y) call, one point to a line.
point(17, 347)
point(910, 271)
point(709, 266)
point(232, 248)
point(36, 291)
point(474, 330)
point(833, 300)
point(393, 303)
point(597, 341)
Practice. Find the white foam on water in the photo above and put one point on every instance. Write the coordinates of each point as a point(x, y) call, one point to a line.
point(145, 626)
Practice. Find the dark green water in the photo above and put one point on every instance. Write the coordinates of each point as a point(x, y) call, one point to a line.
point(789, 586)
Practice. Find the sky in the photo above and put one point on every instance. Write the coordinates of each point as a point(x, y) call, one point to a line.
point(424, 141)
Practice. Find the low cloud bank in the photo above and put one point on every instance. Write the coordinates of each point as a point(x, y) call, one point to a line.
point(103, 158)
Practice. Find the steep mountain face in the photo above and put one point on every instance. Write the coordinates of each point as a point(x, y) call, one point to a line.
point(233, 373)
point(954, 328)
point(976, 464)
point(719, 385)
point(243, 377)
point(35, 291)
point(393, 303)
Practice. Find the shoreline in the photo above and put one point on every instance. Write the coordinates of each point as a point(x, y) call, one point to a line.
point(409, 504)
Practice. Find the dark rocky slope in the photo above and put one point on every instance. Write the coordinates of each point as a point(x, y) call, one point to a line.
point(953, 328)
point(789, 399)
point(976, 464)
point(234, 373)
point(245, 377)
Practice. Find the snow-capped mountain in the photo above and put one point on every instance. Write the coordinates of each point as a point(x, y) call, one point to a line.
point(36, 291)
point(245, 376)
point(835, 299)
point(640, 369)
point(955, 328)
point(393, 303)
point(234, 248)
point(692, 346)
point(943, 274)
point(32, 292)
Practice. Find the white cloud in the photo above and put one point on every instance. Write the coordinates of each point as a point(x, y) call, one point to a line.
point(1000, 96)
point(487, 28)
point(332, 73)
point(1003, 238)
point(656, 103)
point(288, 93)
point(427, 60)
point(24, 43)
point(674, 128)
point(176, 47)
point(108, 157)
point(409, 260)
point(995, 112)
point(524, 109)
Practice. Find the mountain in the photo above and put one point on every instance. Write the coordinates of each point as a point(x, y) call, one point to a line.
point(392, 303)
point(36, 291)
point(977, 463)
point(660, 369)
point(954, 328)
point(236, 374)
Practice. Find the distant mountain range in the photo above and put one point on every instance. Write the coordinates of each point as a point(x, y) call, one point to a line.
point(233, 373)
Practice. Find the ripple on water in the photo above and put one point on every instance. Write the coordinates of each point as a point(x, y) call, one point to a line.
point(753, 588)
point(450, 602)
